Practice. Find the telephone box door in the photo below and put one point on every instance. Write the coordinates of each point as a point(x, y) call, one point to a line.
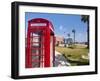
point(38, 49)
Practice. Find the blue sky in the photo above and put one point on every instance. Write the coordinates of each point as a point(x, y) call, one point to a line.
point(63, 24)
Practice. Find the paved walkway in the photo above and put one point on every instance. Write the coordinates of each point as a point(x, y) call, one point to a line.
point(60, 60)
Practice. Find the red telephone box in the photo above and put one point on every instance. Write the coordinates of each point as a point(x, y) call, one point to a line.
point(40, 43)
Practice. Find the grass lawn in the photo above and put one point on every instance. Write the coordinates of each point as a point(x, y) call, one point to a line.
point(74, 55)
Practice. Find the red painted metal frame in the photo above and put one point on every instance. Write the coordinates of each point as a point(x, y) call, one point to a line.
point(45, 49)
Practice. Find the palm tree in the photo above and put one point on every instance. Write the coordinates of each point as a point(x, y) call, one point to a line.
point(73, 31)
point(68, 38)
point(68, 35)
point(64, 41)
point(85, 19)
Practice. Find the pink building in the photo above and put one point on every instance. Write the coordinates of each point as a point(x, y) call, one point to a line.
point(59, 40)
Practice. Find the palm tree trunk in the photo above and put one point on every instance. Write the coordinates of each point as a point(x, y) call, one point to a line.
point(74, 38)
point(88, 45)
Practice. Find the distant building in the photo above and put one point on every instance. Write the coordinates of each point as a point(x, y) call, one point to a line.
point(59, 40)
point(69, 41)
point(62, 41)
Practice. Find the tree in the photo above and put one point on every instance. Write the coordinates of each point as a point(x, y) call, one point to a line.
point(85, 19)
point(68, 35)
point(73, 31)
point(68, 40)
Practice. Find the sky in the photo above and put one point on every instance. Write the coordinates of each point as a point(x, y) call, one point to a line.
point(63, 24)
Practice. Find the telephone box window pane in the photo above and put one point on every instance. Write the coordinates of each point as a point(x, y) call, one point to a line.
point(35, 64)
point(34, 57)
point(35, 51)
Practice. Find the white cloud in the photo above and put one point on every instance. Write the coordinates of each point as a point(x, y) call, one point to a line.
point(61, 27)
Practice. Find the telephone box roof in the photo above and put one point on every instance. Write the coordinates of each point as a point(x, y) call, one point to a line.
point(41, 20)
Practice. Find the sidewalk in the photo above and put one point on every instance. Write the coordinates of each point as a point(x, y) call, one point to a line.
point(60, 60)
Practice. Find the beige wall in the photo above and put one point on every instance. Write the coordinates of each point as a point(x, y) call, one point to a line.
point(59, 39)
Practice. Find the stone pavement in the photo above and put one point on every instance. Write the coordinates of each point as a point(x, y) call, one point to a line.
point(60, 60)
